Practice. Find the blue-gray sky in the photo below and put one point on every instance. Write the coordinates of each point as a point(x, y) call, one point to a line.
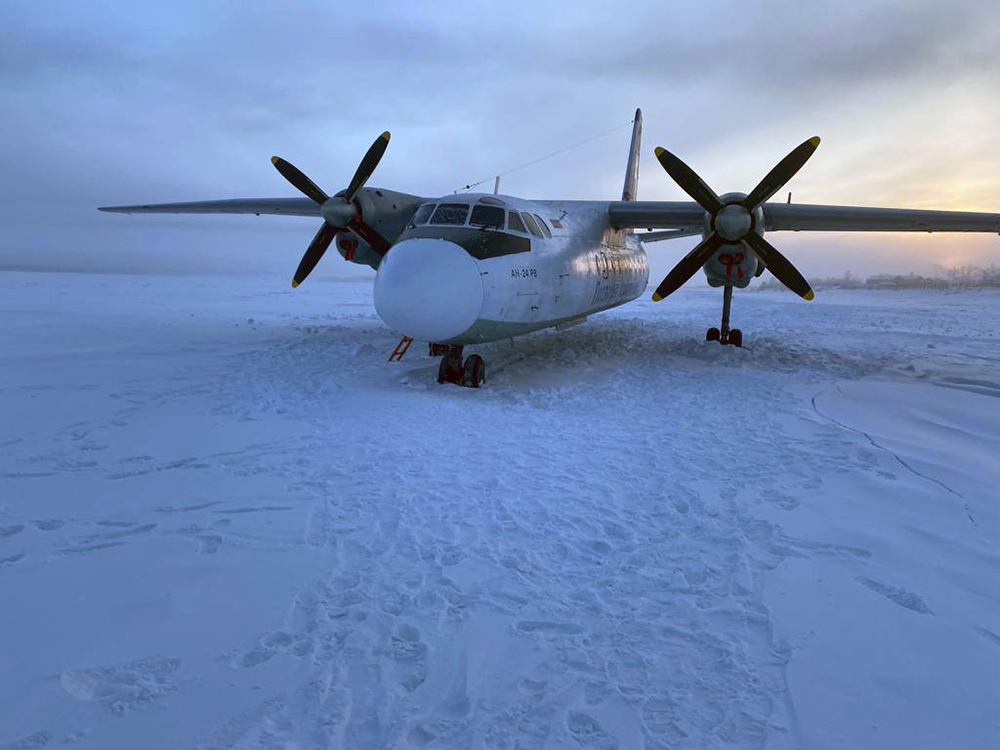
point(113, 102)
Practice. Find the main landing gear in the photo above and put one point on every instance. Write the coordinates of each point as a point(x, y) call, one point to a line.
point(451, 370)
point(725, 335)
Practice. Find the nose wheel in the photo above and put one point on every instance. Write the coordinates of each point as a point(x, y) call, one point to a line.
point(471, 373)
point(725, 335)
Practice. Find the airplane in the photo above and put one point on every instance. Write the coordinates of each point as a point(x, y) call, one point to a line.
point(473, 268)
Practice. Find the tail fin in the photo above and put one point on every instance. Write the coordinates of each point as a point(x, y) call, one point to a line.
point(632, 171)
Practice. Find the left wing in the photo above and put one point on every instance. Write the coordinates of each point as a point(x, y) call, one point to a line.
point(801, 217)
point(271, 206)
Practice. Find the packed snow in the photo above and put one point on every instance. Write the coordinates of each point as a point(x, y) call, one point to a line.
point(227, 521)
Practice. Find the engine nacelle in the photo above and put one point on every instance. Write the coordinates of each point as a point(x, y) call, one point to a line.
point(387, 212)
point(734, 263)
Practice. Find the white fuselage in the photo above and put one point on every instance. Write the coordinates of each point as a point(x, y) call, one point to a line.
point(465, 284)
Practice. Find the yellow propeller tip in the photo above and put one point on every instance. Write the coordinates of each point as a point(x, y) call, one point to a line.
point(656, 297)
point(385, 135)
point(659, 150)
point(808, 295)
point(294, 283)
point(815, 141)
point(275, 160)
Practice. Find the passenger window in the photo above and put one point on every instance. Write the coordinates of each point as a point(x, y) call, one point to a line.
point(532, 226)
point(422, 215)
point(451, 213)
point(487, 216)
point(545, 227)
point(514, 222)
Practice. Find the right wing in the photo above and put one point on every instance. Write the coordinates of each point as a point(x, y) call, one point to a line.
point(258, 206)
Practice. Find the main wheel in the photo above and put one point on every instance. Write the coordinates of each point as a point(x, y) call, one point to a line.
point(712, 335)
point(474, 372)
point(450, 369)
point(736, 337)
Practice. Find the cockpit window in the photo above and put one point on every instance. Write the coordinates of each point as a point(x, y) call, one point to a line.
point(422, 215)
point(532, 226)
point(514, 222)
point(451, 213)
point(542, 225)
point(487, 216)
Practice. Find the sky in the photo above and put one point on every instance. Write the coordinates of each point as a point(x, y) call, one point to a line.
point(112, 102)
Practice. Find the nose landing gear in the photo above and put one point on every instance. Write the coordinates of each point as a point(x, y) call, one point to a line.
point(471, 374)
point(725, 335)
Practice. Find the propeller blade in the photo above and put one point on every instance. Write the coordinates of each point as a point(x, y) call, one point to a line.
point(782, 173)
point(688, 266)
point(301, 183)
point(314, 252)
point(376, 241)
point(779, 266)
point(690, 182)
point(367, 166)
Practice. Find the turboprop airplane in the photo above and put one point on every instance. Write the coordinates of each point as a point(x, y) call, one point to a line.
point(472, 268)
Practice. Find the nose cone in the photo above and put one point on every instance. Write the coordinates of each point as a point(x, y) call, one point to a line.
point(428, 289)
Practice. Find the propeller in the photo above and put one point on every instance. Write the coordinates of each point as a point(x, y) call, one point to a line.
point(340, 213)
point(734, 222)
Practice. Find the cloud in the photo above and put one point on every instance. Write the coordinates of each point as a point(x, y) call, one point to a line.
point(114, 102)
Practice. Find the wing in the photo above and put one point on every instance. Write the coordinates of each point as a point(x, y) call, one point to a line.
point(271, 206)
point(686, 215)
point(801, 217)
point(669, 234)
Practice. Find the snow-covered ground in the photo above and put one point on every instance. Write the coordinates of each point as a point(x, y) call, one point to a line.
point(227, 522)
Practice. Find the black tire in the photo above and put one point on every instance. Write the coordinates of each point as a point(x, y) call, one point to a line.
point(736, 337)
point(450, 369)
point(474, 372)
point(712, 334)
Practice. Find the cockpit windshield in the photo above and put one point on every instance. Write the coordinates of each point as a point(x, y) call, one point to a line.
point(422, 215)
point(450, 213)
point(487, 217)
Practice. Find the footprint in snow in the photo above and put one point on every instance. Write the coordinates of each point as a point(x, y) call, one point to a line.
point(410, 653)
point(130, 531)
point(9, 531)
point(588, 732)
point(8, 561)
point(269, 646)
point(34, 741)
point(123, 687)
point(902, 597)
point(48, 524)
point(988, 635)
point(553, 628)
point(186, 508)
point(89, 548)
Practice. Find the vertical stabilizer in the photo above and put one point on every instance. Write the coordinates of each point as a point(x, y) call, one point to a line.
point(632, 171)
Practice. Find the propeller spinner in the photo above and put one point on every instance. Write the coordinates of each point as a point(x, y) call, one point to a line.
point(340, 213)
point(735, 222)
